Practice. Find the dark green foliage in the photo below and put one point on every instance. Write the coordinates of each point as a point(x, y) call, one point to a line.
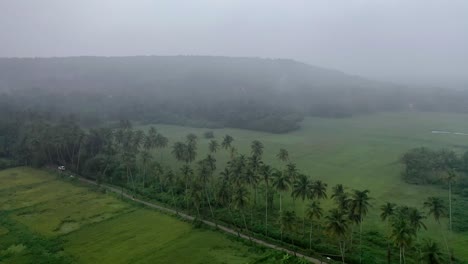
point(426, 166)
point(209, 134)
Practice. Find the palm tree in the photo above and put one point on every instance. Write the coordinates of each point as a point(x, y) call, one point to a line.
point(313, 211)
point(301, 189)
point(359, 207)
point(283, 155)
point(387, 211)
point(196, 195)
point(402, 235)
point(206, 168)
point(319, 190)
point(287, 221)
point(337, 191)
point(266, 172)
point(340, 197)
point(257, 148)
point(291, 171)
point(415, 218)
point(281, 183)
point(179, 151)
point(450, 178)
point(337, 226)
point(190, 150)
point(213, 146)
point(437, 209)
point(187, 173)
point(160, 142)
point(227, 142)
point(431, 253)
point(191, 139)
point(240, 201)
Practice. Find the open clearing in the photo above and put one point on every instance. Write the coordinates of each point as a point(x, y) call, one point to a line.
point(99, 228)
point(360, 152)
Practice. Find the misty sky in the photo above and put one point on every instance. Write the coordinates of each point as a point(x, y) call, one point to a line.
point(423, 40)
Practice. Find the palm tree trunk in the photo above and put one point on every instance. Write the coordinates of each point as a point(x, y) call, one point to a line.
point(280, 204)
point(446, 243)
point(303, 218)
point(266, 211)
point(404, 258)
point(360, 241)
point(310, 236)
point(342, 252)
point(209, 204)
point(173, 201)
point(401, 259)
point(450, 206)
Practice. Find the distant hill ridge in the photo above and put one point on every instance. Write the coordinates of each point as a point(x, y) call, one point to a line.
point(249, 93)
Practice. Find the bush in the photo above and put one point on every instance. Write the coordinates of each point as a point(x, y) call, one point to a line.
point(209, 134)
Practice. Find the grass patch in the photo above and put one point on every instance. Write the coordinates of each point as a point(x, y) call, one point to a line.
point(47, 220)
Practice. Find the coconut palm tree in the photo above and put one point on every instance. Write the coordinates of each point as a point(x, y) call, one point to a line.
point(266, 172)
point(402, 235)
point(191, 139)
point(340, 197)
point(227, 142)
point(213, 146)
point(160, 142)
point(450, 178)
point(291, 171)
point(240, 200)
point(337, 226)
point(187, 173)
point(387, 212)
point(281, 183)
point(359, 208)
point(313, 211)
point(319, 190)
point(179, 151)
point(437, 209)
point(301, 189)
point(431, 253)
point(283, 155)
point(256, 148)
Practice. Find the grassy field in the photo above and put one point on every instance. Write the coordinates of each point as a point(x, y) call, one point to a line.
point(47, 220)
point(359, 152)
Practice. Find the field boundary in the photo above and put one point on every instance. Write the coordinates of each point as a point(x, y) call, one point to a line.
point(206, 222)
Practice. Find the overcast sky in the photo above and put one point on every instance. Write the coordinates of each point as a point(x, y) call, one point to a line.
point(420, 40)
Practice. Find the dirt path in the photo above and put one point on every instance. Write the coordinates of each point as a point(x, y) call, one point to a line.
point(209, 223)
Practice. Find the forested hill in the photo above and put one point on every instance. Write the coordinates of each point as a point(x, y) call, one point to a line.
point(261, 94)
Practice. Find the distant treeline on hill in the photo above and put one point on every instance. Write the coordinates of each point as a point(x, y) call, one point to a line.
point(258, 94)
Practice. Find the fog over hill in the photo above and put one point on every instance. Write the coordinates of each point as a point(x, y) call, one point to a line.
point(254, 93)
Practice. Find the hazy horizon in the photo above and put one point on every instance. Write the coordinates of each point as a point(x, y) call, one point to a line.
point(413, 42)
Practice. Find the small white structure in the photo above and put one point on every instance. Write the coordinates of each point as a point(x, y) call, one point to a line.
point(61, 168)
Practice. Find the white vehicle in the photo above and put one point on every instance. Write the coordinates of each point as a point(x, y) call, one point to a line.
point(61, 168)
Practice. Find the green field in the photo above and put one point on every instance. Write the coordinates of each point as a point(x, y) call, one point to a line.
point(359, 152)
point(47, 220)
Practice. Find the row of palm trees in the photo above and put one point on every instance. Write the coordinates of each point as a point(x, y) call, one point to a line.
point(235, 187)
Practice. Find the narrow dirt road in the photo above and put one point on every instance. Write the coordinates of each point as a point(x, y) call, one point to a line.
point(209, 223)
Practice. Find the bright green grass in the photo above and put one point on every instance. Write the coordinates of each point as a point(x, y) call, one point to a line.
point(152, 238)
point(100, 228)
point(359, 152)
